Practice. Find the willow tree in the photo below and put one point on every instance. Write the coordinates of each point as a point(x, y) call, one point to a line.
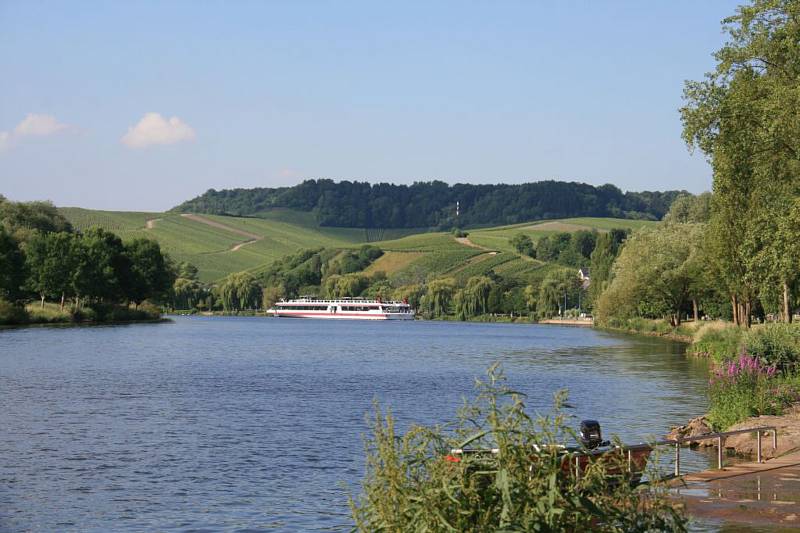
point(240, 291)
point(473, 299)
point(655, 273)
point(439, 296)
point(745, 116)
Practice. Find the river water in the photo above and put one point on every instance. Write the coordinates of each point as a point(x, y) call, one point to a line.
point(212, 423)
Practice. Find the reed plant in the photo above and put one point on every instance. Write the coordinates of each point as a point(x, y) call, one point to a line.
point(413, 483)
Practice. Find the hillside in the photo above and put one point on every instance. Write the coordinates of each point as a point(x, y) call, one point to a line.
point(433, 204)
point(498, 237)
point(218, 245)
point(221, 245)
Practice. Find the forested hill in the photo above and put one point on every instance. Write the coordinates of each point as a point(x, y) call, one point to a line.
point(433, 204)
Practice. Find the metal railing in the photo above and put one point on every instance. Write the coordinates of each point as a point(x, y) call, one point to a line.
point(719, 436)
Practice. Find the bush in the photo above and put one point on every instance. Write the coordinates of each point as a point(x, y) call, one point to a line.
point(774, 344)
point(746, 387)
point(720, 344)
point(412, 484)
point(11, 314)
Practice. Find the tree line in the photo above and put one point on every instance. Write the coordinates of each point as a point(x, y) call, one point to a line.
point(433, 204)
point(744, 117)
point(42, 257)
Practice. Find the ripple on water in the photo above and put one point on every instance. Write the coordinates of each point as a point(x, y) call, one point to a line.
point(254, 424)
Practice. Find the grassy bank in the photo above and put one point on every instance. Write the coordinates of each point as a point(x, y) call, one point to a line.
point(52, 313)
point(653, 328)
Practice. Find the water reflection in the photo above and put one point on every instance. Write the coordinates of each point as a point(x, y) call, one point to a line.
point(225, 423)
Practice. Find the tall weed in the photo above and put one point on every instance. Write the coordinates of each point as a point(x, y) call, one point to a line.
point(412, 484)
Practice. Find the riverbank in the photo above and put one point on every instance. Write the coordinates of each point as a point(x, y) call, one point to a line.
point(36, 315)
point(568, 322)
point(653, 328)
point(745, 444)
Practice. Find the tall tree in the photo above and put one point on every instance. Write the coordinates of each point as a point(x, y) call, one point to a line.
point(12, 268)
point(149, 274)
point(654, 274)
point(745, 117)
point(51, 262)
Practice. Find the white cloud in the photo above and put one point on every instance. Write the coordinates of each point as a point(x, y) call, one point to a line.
point(38, 125)
point(33, 125)
point(154, 129)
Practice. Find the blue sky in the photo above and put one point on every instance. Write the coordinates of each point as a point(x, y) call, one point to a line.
point(141, 105)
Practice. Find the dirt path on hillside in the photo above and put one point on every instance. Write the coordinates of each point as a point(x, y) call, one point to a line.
point(151, 223)
point(252, 237)
point(466, 242)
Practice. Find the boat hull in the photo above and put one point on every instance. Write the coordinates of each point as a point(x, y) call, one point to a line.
point(342, 316)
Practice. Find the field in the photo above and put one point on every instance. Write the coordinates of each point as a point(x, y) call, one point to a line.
point(221, 245)
point(498, 238)
point(218, 251)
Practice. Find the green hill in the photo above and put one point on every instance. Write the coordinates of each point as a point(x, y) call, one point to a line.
point(220, 245)
point(498, 237)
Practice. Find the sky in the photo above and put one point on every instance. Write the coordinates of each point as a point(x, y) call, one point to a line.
point(141, 105)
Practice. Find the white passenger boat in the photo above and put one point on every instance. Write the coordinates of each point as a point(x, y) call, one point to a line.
point(342, 308)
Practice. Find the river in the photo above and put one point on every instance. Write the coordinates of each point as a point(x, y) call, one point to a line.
point(212, 423)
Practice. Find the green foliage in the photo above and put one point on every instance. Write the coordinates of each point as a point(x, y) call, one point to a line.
point(688, 209)
point(211, 248)
point(523, 244)
point(432, 204)
point(438, 298)
point(483, 265)
point(23, 219)
point(188, 294)
point(239, 292)
point(51, 262)
point(775, 345)
point(410, 486)
point(12, 313)
point(557, 292)
point(745, 387)
point(743, 117)
point(473, 299)
point(346, 286)
point(720, 344)
point(12, 268)
point(602, 260)
point(149, 274)
point(655, 274)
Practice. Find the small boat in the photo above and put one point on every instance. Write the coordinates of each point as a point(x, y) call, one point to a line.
point(342, 308)
point(592, 448)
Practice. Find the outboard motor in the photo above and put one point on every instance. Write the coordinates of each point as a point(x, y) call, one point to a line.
point(591, 437)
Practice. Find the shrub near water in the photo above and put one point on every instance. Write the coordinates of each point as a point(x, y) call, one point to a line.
point(747, 387)
point(718, 343)
point(774, 344)
point(412, 485)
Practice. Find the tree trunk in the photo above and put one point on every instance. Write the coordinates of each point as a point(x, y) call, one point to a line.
point(747, 309)
point(42, 295)
point(62, 301)
point(694, 310)
point(677, 319)
point(787, 308)
point(735, 309)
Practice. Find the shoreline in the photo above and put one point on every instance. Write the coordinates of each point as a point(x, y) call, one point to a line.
point(668, 336)
point(86, 323)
